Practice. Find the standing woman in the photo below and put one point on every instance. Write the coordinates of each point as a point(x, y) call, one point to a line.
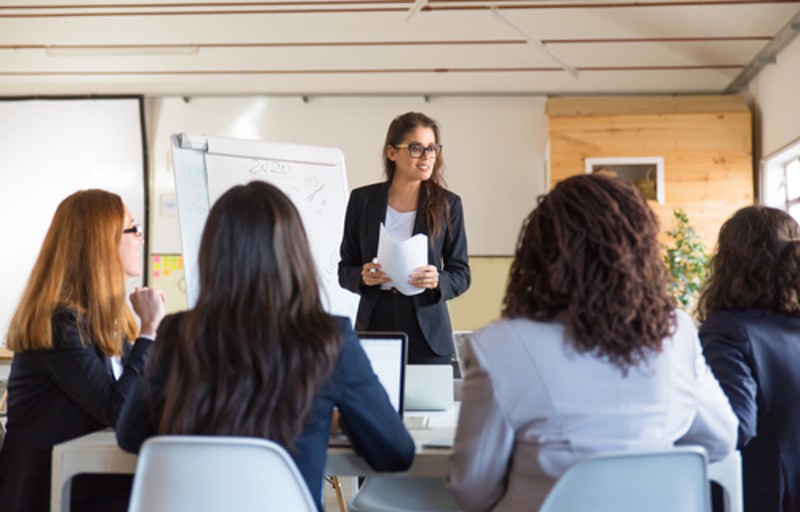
point(750, 310)
point(258, 356)
point(412, 200)
point(73, 364)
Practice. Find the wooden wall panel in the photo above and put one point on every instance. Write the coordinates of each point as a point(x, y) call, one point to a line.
point(708, 166)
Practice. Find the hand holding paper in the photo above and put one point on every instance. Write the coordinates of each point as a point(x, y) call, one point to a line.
point(401, 259)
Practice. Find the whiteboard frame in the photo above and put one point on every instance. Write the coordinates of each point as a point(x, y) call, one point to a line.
point(190, 154)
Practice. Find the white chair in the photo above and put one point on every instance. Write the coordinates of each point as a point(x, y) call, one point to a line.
point(403, 494)
point(213, 473)
point(672, 480)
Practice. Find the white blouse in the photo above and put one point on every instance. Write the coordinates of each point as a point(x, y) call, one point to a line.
point(532, 406)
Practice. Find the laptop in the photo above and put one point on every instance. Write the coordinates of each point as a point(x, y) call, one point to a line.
point(387, 352)
point(429, 387)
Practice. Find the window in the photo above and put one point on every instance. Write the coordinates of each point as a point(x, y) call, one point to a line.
point(779, 180)
point(791, 172)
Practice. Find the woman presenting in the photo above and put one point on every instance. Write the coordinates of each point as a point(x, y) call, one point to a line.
point(412, 200)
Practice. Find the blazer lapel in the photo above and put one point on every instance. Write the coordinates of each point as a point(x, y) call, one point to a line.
point(419, 221)
point(376, 213)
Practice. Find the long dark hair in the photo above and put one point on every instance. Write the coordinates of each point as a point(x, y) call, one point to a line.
point(257, 346)
point(589, 254)
point(756, 264)
point(435, 206)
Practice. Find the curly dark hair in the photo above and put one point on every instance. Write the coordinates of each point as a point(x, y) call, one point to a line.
point(589, 255)
point(756, 264)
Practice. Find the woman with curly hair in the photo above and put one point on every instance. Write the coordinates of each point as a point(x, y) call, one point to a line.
point(590, 354)
point(751, 337)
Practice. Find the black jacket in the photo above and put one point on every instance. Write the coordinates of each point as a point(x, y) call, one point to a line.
point(366, 210)
point(755, 355)
point(374, 427)
point(55, 395)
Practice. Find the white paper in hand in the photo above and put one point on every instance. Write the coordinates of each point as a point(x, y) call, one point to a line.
point(399, 259)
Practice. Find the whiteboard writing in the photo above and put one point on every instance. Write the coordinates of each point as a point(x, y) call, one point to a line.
point(312, 177)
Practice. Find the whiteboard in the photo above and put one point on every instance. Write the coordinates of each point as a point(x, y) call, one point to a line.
point(313, 177)
point(50, 148)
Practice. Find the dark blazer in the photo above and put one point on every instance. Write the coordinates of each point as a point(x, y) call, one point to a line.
point(366, 210)
point(755, 355)
point(55, 395)
point(374, 427)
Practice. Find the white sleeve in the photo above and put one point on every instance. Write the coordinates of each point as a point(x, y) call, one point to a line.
point(715, 425)
point(484, 441)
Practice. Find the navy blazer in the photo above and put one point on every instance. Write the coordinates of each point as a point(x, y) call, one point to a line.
point(55, 395)
point(755, 355)
point(366, 210)
point(366, 414)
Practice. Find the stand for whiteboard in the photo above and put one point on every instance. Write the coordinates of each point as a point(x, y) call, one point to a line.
point(312, 176)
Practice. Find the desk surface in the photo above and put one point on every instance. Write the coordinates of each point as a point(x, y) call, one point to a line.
point(98, 453)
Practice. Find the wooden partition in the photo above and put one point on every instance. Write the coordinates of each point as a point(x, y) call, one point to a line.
point(706, 143)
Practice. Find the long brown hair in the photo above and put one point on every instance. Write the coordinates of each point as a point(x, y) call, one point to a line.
point(756, 264)
point(435, 206)
point(78, 268)
point(258, 345)
point(589, 255)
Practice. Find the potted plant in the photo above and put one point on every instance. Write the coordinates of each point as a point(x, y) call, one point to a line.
point(687, 260)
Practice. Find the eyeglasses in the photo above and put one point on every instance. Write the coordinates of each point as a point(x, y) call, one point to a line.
point(136, 229)
point(417, 150)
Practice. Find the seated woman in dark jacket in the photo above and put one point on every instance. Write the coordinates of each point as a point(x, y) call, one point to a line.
point(76, 349)
point(257, 356)
point(751, 339)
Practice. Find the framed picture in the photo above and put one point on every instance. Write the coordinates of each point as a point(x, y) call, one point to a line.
point(646, 172)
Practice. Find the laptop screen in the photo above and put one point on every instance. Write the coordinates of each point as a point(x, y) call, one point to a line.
point(387, 355)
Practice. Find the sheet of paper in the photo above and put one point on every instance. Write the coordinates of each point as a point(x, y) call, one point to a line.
point(400, 259)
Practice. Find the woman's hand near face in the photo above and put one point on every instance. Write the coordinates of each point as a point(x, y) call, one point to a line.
point(425, 277)
point(150, 307)
point(372, 274)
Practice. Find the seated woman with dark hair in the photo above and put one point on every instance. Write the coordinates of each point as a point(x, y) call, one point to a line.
point(258, 356)
point(590, 354)
point(751, 337)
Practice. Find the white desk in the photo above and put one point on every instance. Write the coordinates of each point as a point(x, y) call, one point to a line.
point(99, 453)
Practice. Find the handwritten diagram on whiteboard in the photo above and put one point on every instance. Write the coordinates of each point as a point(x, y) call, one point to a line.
point(313, 177)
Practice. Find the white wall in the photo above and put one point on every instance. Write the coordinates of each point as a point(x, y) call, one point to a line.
point(775, 91)
point(50, 148)
point(495, 148)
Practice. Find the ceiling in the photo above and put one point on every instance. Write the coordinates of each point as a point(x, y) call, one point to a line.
point(388, 47)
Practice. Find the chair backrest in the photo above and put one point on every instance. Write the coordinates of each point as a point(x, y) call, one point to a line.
point(212, 473)
point(672, 480)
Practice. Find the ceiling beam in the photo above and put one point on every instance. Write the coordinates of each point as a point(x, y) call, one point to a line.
point(768, 55)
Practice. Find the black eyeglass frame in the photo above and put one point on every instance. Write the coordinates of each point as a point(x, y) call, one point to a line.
point(136, 229)
point(417, 150)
